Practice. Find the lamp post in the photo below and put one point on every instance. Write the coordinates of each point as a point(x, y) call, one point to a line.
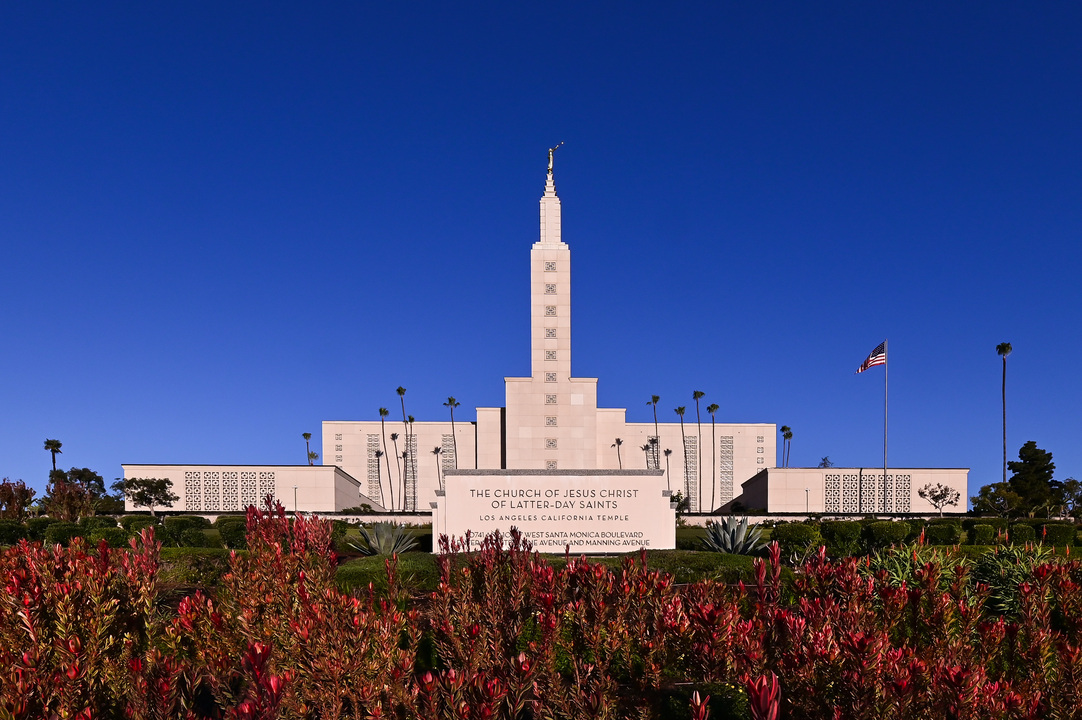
point(807, 501)
point(294, 500)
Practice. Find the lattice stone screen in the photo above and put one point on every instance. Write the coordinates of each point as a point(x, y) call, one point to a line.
point(691, 478)
point(864, 492)
point(725, 469)
point(448, 461)
point(371, 445)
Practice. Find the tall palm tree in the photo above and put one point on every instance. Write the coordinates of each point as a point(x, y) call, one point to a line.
point(405, 426)
point(683, 438)
point(312, 457)
point(53, 446)
point(786, 436)
point(398, 462)
point(383, 413)
point(617, 445)
point(379, 479)
point(654, 400)
point(439, 475)
point(668, 452)
point(307, 449)
point(1003, 350)
point(696, 395)
point(713, 410)
point(646, 453)
point(452, 404)
point(788, 444)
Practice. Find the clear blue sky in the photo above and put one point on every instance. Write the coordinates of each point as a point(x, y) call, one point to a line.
point(223, 223)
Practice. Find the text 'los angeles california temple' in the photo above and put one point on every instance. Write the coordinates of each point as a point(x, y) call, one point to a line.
point(550, 424)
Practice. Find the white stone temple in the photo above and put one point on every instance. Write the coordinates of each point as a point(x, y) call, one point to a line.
point(550, 422)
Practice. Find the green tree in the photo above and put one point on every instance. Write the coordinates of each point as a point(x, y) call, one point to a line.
point(439, 475)
point(452, 404)
point(66, 501)
point(997, 499)
point(617, 445)
point(398, 462)
point(668, 452)
point(653, 401)
point(307, 448)
point(939, 496)
point(312, 457)
point(713, 410)
point(786, 436)
point(1071, 497)
point(147, 492)
point(88, 480)
point(683, 439)
point(697, 395)
point(383, 413)
point(53, 446)
point(1003, 350)
point(1032, 478)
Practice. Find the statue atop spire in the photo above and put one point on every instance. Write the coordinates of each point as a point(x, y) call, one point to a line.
point(552, 150)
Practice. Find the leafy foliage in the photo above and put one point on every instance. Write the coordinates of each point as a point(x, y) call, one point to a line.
point(884, 533)
point(939, 495)
point(66, 501)
point(385, 538)
point(15, 498)
point(981, 535)
point(796, 539)
point(733, 537)
point(842, 537)
point(147, 492)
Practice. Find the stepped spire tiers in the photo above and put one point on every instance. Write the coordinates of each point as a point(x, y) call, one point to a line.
point(550, 209)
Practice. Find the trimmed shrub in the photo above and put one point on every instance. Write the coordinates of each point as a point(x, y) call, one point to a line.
point(36, 527)
point(995, 523)
point(1020, 533)
point(981, 535)
point(884, 533)
point(233, 533)
point(943, 534)
point(11, 532)
point(135, 523)
point(946, 521)
point(227, 519)
point(1059, 534)
point(194, 538)
point(113, 536)
point(796, 538)
point(90, 524)
point(177, 524)
point(842, 537)
point(61, 533)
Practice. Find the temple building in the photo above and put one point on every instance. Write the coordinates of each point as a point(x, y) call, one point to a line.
point(550, 422)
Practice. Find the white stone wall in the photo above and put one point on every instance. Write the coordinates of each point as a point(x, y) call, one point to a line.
point(232, 488)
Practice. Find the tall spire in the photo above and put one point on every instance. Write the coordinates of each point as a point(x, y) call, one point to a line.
point(550, 208)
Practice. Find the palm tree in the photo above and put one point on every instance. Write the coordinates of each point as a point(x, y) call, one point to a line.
point(654, 400)
point(383, 413)
point(452, 404)
point(307, 449)
point(696, 394)
point(713, 410)
point(646, 453)
point(53, 446)
point(668, 452)
point(394, 439)
point(405, 425)
point(617, 445)
point(786, 436)
point(312, 457)
point(683, 438)
point(379, 479)
point(788, 445)
point(439, 476)
point(1003, 350)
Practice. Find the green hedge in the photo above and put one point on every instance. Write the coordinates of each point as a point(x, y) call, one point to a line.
point(1022, 533)
point(36, 527)
point(62, 533)
point(841, 537)
point(884, 533)
point(11, 532)
point(177, 524)
point(195, 538)
point(996, 523)
point(1059, 534)
point(90, 524)
point(943, 534)
point(796, 538)
point(233, 533)
point(135, 523)
point(228, 519)
point(113, 536)
point(981, 535)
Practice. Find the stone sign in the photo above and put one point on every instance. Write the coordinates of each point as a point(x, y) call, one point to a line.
point(590, 511)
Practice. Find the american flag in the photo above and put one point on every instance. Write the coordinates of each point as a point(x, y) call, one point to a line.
point(878, 357)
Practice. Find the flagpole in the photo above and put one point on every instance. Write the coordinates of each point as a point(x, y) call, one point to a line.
point(886, 366)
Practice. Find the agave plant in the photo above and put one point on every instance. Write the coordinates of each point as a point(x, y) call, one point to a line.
point(733, 537)
point(385, 538)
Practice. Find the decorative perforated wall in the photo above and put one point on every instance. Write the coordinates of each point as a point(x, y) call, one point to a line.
point(725, 469)
point(374, 473)
point(447, 452)
point(866, 492)
point(691, 479)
